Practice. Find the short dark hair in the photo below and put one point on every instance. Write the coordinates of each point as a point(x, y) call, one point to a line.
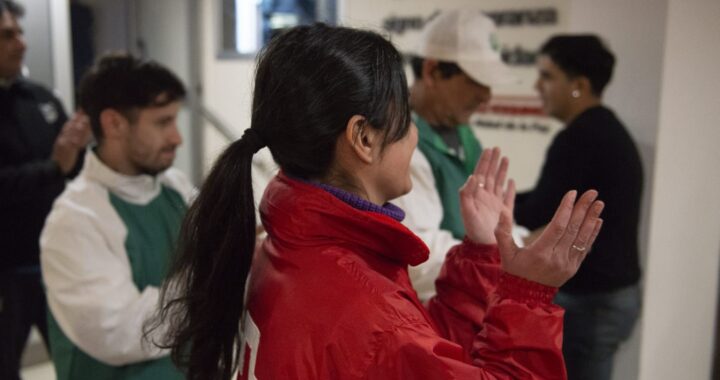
point(447, 69)
point(582, 55)
point(126, 84)
point(14, 8)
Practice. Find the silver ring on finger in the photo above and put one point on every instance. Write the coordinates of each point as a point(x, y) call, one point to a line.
point(578, 248)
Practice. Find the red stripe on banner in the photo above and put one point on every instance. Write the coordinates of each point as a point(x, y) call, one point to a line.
point(513, 105)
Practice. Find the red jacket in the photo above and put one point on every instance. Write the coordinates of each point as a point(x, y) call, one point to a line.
point(329, 298)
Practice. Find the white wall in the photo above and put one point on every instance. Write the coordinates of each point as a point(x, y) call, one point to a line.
point(49, 58)
point(62, 52)
point(681, 277)
point(38, 57)
point(227, 84)
point(163, 26)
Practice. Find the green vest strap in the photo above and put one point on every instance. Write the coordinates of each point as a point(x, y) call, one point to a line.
point(449, 170)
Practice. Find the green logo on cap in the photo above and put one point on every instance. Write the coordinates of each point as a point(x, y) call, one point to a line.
point(494, 43)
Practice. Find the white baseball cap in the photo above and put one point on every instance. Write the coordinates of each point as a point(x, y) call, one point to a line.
point(469, 39)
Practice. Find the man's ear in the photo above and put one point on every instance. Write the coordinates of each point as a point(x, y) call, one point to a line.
point(113, 124)
point(430, 72)
point(362, 139)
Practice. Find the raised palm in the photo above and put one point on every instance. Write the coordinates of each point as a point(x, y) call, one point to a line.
point(484, 197)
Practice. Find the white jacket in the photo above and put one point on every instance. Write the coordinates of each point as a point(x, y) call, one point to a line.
point(85, 266)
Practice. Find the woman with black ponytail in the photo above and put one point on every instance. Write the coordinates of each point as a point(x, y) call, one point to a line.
point(327, 294)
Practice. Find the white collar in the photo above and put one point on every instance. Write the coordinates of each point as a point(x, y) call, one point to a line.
point(139, 189)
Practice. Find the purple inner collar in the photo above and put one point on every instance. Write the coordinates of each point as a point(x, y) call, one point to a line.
point(388, 209)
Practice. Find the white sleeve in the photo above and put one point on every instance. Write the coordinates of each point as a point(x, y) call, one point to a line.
point(90, 289)
point(423, 215)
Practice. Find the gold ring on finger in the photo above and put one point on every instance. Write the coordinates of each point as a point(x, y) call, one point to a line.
point(579, 249)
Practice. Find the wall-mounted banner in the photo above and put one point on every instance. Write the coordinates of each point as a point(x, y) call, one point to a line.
point(514, 119)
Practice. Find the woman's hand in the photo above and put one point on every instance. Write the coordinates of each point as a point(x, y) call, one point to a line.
point(556, 255)
point(484, 197)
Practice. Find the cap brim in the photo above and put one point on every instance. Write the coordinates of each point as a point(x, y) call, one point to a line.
point(489, 73)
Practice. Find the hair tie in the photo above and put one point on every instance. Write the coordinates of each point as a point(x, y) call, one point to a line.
point(253, 140)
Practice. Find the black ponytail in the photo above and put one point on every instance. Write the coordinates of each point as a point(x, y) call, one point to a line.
point(215, 251)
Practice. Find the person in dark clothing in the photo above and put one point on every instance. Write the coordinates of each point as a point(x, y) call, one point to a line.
point(39, 149)
point(593, 151)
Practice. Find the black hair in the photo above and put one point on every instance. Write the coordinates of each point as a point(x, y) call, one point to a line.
point(126, 84)
point(582, 55)
point(14, 8)
point(447, 69)
point(310, 81)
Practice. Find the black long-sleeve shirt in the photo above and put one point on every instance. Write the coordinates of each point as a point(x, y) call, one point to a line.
point(594, 151)
point(30, 120)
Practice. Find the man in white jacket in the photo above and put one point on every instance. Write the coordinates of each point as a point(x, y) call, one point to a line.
point(106, 245)
point(455, 67)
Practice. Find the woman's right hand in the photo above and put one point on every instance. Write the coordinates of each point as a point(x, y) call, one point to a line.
point(485, 196)
point(555, 256)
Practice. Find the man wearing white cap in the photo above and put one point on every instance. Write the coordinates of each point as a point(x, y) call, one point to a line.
point(455, 66)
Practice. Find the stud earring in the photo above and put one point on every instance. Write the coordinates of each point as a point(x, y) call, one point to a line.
point(575, 94)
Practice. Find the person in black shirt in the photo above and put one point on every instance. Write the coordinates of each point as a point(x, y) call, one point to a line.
point(593, 151)
point(39, 149)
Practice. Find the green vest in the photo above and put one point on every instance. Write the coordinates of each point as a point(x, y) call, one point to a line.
point(152, 230)
point(449, 170)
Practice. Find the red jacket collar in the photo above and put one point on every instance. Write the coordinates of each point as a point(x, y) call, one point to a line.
point(300, 214)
